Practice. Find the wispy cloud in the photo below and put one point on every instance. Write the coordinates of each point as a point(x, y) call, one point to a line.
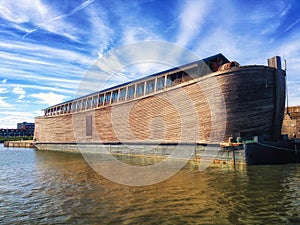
point(43, 54)
point(192, 18)
point(3, 90)
point(31, 15)
point(103, 34)
point(45, 88)
point(292, 25)
point(49, 98)
point(19, 91)
point(49, 21)
point(9, 118)
point(22, 11)
point(4, 104)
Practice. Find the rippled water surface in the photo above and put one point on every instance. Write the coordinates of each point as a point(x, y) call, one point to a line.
point(39, 187)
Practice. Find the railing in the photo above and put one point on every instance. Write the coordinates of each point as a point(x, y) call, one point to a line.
point(149, 86)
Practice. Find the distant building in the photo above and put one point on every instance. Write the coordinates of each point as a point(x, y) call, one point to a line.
point(291, 122)
point(23, 129)
point(28, 127)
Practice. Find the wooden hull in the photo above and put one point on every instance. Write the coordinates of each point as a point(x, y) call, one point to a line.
point(281, 152)
point(240, 102)
point(250, 153)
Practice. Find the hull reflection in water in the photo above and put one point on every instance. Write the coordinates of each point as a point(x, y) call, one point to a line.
point(41, 187)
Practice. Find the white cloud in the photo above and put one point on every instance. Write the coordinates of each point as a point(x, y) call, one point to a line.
point(9, 119)
point(191, 20)
point(40, 15)
point(4, 81)
point(21, 97)
point(135, 34)
point(64, 78)
point(22, 11)
point(43, 63)
point(18, 60)
point(291, 48)
point(49, 98)
point(3, 90)
point(19, 91)
point(44, 88)
point(102, 34)
point(4, 104)
point(57, 25)
point(43, 51)
point(211, 44)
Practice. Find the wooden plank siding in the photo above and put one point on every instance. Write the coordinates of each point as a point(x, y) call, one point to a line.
point(181, 113)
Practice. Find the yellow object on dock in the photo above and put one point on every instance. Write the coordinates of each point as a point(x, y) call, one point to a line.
point(19, 144)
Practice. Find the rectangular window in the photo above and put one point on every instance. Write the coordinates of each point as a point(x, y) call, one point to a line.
point(192, 72)
point(188, 76)
point(68, 107)
point(89, 103)
point(150, 84)
point(89, 125)
point(169, 81)
point(160, 83)
point(78, 107)
point(122, 94)
point(72, 107)
point(95, 101)
point(130, 94)
point(58, 110)
point(64, 109)
point(115, 96)
point(107, 98)
point(174, 79)
point(83, 107)
point(139, 89)
point(101, 100)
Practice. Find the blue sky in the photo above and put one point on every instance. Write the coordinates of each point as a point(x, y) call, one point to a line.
point(46, 46)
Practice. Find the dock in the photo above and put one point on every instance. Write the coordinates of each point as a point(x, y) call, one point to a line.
point(19, 144)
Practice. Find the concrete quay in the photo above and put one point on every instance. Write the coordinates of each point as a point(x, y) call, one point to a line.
point(19, 144)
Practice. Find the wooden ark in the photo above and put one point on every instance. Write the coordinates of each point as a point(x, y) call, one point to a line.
point(207, 101)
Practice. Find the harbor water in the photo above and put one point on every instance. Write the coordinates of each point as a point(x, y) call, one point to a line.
point(43, 187)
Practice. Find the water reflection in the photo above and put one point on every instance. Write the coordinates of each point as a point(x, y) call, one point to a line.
point(261, 195)
point(52, 188)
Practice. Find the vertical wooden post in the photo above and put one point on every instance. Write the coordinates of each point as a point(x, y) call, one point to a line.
point(275, 62)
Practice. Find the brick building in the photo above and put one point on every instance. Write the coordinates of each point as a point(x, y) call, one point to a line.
point(291, 122)
point(23, 129)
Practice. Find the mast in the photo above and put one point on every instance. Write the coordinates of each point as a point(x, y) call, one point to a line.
point(286, 90)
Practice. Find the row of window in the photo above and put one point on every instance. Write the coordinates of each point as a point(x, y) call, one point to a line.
point(17, 132)
point(123, 94)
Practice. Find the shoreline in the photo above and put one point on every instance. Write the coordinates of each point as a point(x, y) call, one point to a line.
point(19, 144)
